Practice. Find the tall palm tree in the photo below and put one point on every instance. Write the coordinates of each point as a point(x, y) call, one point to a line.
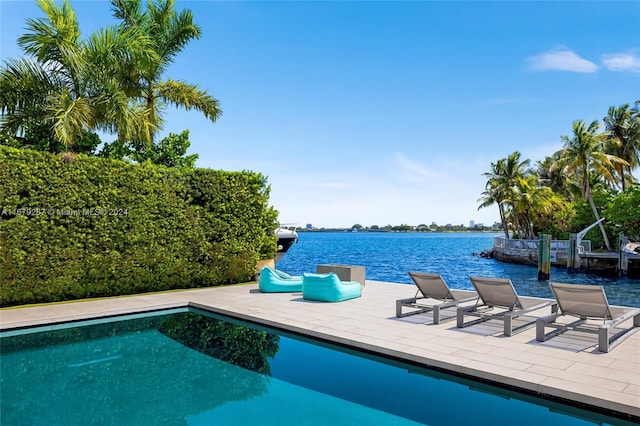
point(500, 183)
point(169, 32)
point(492, 195)
point(623, 131)
point(68, 83)
point(583, 155)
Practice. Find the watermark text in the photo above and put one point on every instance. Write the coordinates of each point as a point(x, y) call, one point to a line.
point(34, 211)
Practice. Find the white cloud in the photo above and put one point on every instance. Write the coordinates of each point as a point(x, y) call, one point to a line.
point(621, 62)
point(561, 59)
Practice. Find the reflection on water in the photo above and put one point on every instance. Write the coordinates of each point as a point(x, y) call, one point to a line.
point(117, 373)
point(235, 344)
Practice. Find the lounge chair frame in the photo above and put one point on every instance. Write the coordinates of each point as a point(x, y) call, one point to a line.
point(588, 302)
point(500, 293)
point(434, 290)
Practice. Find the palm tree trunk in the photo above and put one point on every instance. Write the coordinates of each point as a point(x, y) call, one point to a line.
point(620, 169)
point(530, 234)
point(503, 220)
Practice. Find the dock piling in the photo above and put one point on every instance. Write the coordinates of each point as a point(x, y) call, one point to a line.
point(573, 257)
point(544, 257)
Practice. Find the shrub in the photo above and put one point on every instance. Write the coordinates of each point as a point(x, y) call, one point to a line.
point(99, 227)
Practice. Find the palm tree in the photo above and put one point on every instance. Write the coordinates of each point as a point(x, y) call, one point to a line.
point(106, 50)
point(500, 183)
point(24, 88)
point(623, 131)
point(559, 182)
point(66, 83)
point(583, 155)
point(532, 204)
point(46, 87)
point(492, 195)
point(169, 32)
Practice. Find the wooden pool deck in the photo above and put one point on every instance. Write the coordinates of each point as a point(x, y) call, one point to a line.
point(567, 367)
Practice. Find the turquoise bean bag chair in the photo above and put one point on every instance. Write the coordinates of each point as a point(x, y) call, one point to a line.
point(329, 288)
point(274, 281)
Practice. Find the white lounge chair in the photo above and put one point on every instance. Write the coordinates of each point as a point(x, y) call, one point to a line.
point(588, 302)
point(499, 293)
point(433, 294)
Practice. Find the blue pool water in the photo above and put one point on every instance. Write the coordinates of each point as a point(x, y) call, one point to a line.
point(389, 256)
point(192, 369)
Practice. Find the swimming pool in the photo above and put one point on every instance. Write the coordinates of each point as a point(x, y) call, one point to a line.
point(189, 367)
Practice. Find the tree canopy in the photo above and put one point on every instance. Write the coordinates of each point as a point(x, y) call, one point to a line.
point(66, 87)
point(548, 198)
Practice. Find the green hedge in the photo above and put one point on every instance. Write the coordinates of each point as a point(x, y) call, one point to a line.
point(79, 226)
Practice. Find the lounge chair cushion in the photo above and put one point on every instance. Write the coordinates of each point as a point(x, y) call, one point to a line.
point(274, 281)
point(329, 288)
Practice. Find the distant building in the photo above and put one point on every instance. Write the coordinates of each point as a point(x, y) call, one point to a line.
point(309, 226)
point(471, 223)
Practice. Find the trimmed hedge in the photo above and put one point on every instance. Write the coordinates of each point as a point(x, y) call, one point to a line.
point(74, 226)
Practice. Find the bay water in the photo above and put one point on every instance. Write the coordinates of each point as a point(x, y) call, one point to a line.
point(389, 256)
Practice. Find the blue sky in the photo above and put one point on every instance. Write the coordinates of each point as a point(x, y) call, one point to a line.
point(388, 112)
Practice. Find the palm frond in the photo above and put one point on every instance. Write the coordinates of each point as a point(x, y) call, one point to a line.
point(54, 38)
point(189, 96)
point(71, 116)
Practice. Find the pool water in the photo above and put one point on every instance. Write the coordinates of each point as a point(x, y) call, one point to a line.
point(192, 369)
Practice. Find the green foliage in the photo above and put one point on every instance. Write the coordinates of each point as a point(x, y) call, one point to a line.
point(6, 139)
point(624, 210)
point(216, 195)
point(402, 228)
point(589, 162)
point(39, 135)
point(584, 217)
point(117, 150)
point(113, 80)
point(95, 227)
point(168, 31)
point(559, 225)
point(170, 151)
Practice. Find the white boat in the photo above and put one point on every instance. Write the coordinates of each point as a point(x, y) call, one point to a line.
point(287, 236)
